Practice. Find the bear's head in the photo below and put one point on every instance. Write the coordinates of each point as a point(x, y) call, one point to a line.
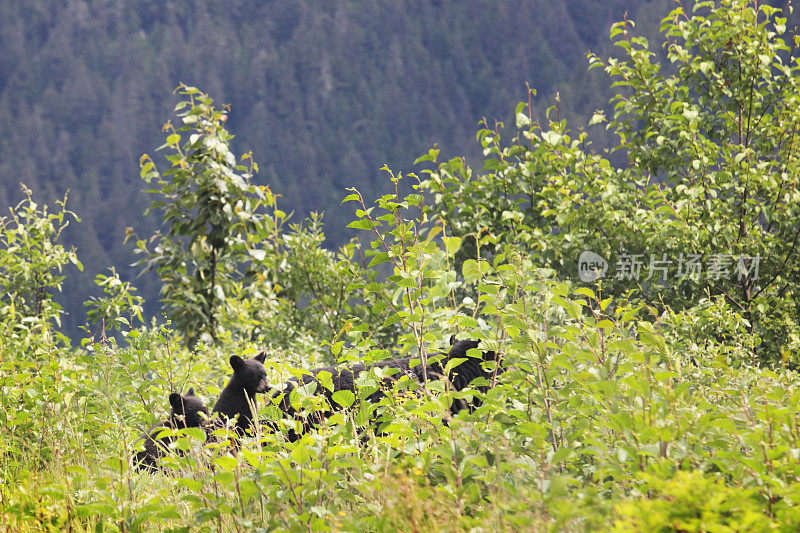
point(250, 373)
point(186, 410)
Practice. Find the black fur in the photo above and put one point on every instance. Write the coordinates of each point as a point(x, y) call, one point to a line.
point(187, 412)
point(249, 378)
point(344, 378)
point(462, 375)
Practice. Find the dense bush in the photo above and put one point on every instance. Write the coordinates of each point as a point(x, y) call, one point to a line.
point(703, 211)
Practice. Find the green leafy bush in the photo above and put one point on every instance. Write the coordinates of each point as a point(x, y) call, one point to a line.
point(31, 262)
point(708, 175)
point(213, 216)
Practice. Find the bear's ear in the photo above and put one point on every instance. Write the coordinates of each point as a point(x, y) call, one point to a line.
point(452, 340)
point(236, 362)
point(261, 357)
point(176, 401)
point(190, 392)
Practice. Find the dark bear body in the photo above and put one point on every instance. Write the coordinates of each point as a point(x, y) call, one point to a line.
point(249, 378)
point(344, 378)
point(464, 373)
point(187, 412)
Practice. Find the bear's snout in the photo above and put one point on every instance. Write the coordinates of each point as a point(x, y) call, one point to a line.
point(263, 385)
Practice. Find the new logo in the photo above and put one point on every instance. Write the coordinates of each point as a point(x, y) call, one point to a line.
point(591, 266)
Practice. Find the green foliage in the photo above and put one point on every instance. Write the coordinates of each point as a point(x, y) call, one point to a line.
point(692, 501)
point(596, 423)
point(719, 136)
point(31, 262)
point(71, 419)
point(298, 294)
point(229, 265)
point(710, 173)
point(324, 94)
point(118, 299)
point(213, 215)
point(416, 296)
point(607, 412)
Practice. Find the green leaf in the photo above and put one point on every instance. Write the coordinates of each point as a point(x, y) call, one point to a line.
point(585, 291)
point(551, 137)
point(452, 244)
point(345, 398)
point(336, 348)
point(378, 258)
point(470, 270)
point(562, 454)
point(523, 120)
point(326, 379)
point(597, 118)
point(430, 156)
point(300, 453)
point(226, 463)
point(350, 198)
point(360, 224)
point(258, 255)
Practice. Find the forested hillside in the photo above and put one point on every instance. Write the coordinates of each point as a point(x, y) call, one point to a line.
point(322, 93)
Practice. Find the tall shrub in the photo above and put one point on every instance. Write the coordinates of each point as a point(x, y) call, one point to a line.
point(31, 265)
point(214, 217)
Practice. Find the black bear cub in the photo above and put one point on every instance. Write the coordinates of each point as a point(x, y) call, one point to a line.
point(187, 412)
point(249, 378)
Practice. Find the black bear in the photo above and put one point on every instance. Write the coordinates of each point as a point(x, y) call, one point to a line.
point(187, 412)
point(344, 377)
point(249, 378)
point(464, 373)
